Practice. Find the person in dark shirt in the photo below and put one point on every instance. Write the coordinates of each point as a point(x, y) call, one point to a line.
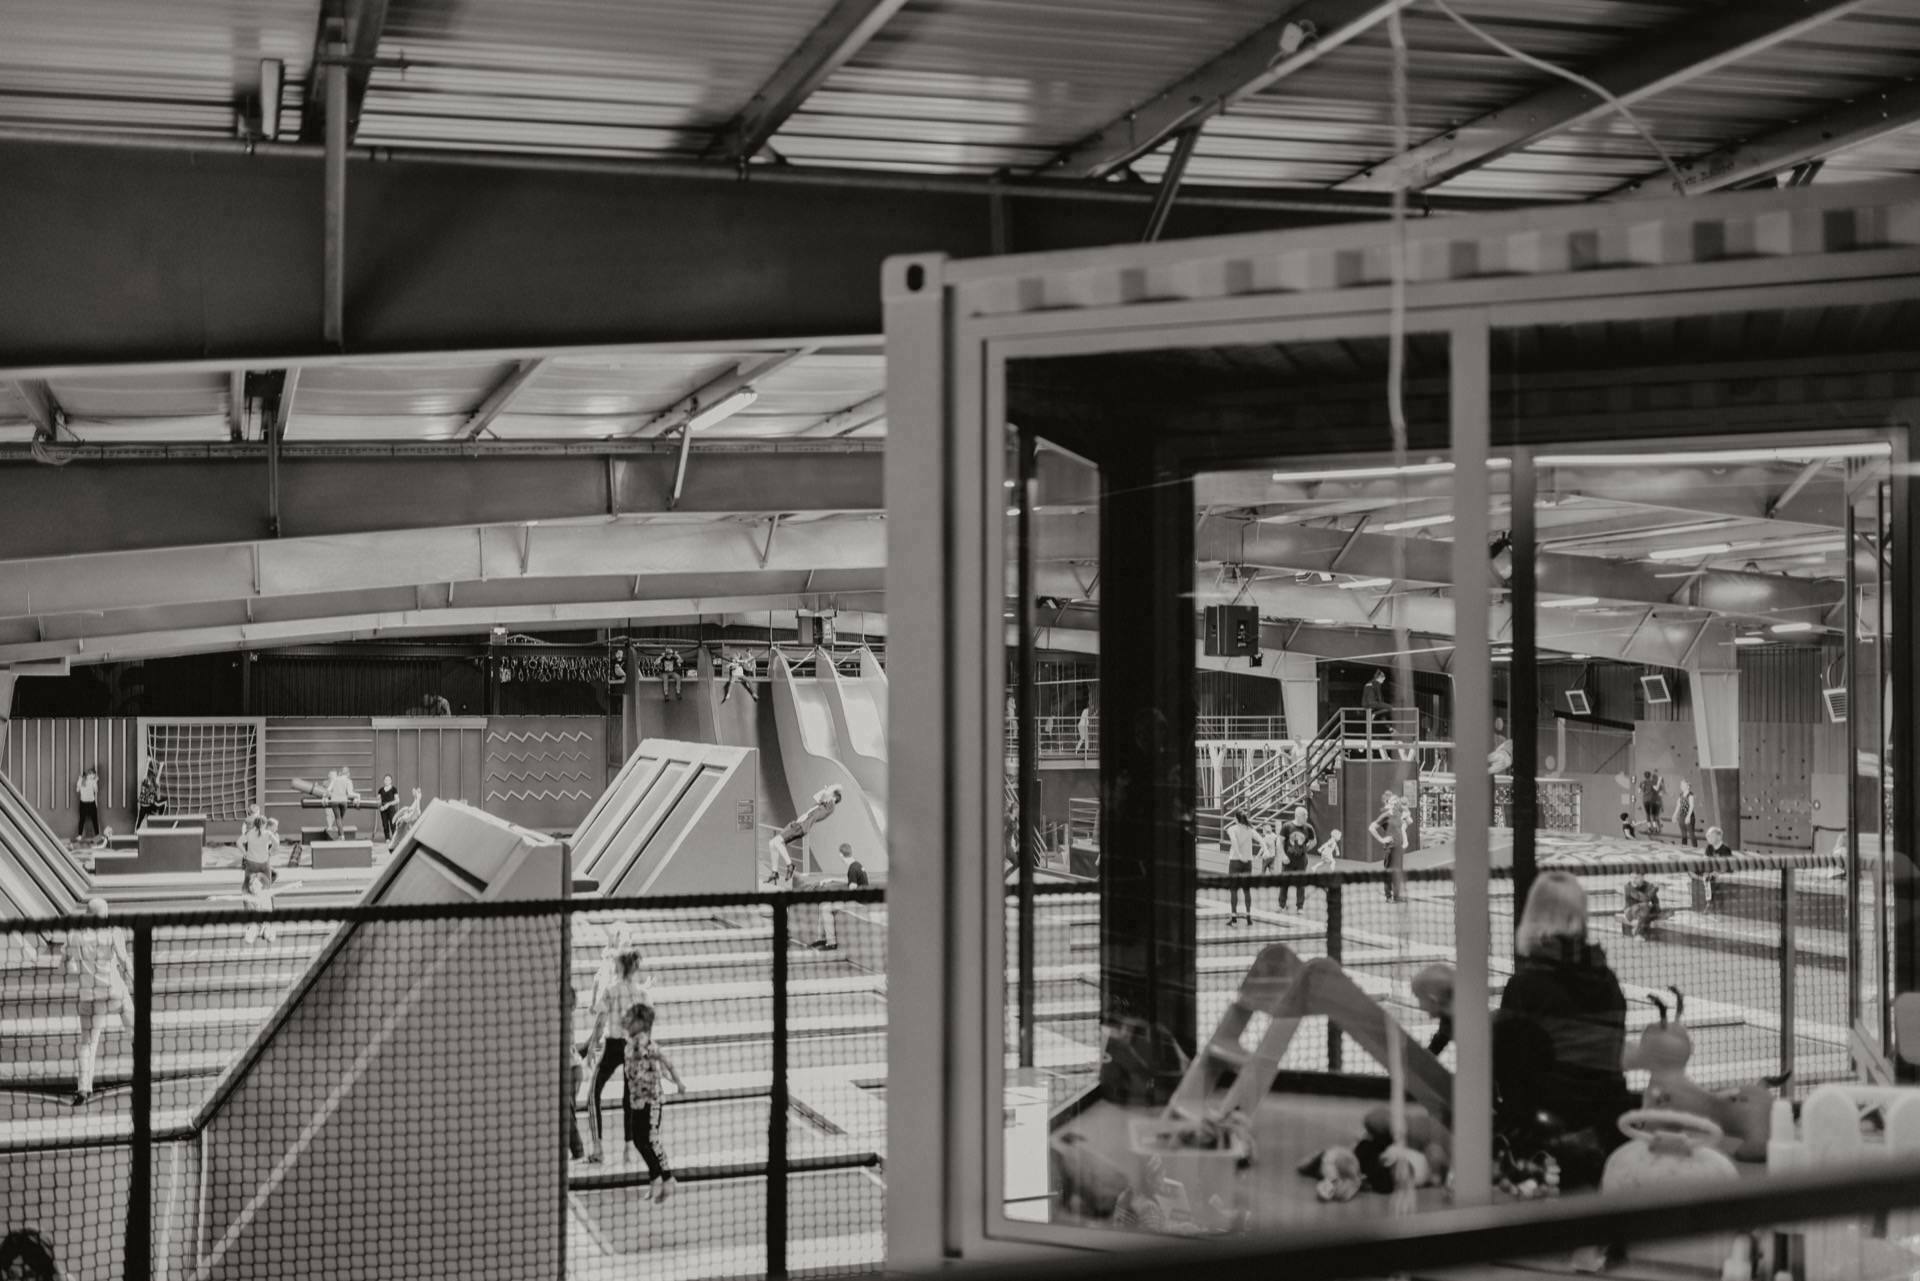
point(389, 797)
point(1298, 838)
point(671, 668)
point(856, 875)
point(1642, 910)
point(1563, 1018)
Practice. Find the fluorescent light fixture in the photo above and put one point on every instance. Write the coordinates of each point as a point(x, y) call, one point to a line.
point(1013, 511)
point(1323, 622)
point(1690, 553)
point(722, 409)
point(1376, 473)
point(1788, 629)
point(1417, 522)
point(1503, 658)
point(1749, 640)
point(1359, 583)
point(1569, 602)
point(1712, 457)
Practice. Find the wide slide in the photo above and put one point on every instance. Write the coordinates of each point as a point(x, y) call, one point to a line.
point(745, 719)
point(860, 726)
point(810, 753)
point(876, 678)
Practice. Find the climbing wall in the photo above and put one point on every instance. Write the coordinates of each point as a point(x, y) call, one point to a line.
point(545, 772)
point(1776, 786)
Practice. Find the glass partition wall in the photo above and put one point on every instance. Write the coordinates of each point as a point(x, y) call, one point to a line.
point(1488, 665)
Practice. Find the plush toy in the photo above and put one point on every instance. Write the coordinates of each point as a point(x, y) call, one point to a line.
point(1744, 1116)
point(1375, 1160)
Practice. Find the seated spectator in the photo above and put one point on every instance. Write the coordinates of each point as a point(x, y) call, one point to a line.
point(1564, 995)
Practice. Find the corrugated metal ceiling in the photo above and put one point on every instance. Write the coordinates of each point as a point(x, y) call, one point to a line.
point(585, 397)
point(946, 85)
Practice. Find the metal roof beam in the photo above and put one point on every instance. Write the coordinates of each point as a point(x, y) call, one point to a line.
point(310, 567)
point(349, 40)
point(1653, 64)
point(231, 263)
point(108, 506)
point(495, 402)
point(1296, 39)
point(846, 29)
point(1886, 110)
point(452, 620)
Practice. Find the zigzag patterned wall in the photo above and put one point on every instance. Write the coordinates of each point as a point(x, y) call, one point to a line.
point(545, 771)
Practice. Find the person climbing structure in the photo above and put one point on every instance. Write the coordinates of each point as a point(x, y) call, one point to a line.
point(788, 846)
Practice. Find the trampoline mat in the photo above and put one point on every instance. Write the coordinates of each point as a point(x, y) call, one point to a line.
point(730, 1214)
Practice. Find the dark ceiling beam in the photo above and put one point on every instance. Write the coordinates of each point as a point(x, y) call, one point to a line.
point(218, 260)
point(846, 29)
point(108, 506)
point(495, 402)
point(1653, 63)
point(43, 410)
point(1887, 110)
point(350, 34)
point(1270, 54)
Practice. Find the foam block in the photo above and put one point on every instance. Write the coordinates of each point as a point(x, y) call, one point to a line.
point(161, 849)
point(341, 854)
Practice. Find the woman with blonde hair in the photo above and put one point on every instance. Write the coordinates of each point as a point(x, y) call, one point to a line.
point(1563, 1025)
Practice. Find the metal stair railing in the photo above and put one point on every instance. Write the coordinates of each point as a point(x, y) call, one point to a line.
point(1281, 775)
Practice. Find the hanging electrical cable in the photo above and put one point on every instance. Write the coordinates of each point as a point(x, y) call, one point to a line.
point(1593, 87)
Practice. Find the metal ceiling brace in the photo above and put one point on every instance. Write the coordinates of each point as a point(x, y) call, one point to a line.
point(680, 467)
point(1686, 655)
point(526, 547)
point(842, 422)
point(1352, 538)
point(766, 551)
point(1170, 182)
point(43, 410)
point(1668, 58)
point(333, 303)
point(276, 434)
point(1869, 116)
point(1794, 486)
point(837, 38)
point(495, 402)
point(1295, 40)
point(349, 38)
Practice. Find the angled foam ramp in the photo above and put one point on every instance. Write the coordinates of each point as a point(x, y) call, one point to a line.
point(680, 818)
point(373, 1091)
point(38, 875)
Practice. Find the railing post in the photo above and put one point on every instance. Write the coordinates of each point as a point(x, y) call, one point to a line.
point(1334, 927)
point(139, 1244)
point(1787, 949)
point(777, 1103)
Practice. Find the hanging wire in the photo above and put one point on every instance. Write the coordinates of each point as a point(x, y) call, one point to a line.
point(1591, 86)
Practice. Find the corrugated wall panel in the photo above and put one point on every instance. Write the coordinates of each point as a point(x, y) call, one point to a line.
point(1781, 685)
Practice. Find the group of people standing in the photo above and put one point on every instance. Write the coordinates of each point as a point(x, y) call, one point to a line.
point(1295, 840)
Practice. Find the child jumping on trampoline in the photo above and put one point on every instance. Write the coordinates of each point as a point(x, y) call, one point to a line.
point(257, 896)
point(645, 1066)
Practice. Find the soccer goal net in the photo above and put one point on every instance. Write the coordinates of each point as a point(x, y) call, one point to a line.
point(210, 766)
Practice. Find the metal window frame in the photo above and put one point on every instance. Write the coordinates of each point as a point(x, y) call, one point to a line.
point(953, 326)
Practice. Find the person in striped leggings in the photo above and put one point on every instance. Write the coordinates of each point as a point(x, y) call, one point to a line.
point(645, 1066)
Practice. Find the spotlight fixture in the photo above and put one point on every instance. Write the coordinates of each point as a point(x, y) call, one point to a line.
point(1789, 629)
point(722, 409)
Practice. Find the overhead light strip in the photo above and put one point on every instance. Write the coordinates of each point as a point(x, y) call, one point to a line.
point(1783, 454)
point(1379, 473)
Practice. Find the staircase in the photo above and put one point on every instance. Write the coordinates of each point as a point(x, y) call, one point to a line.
point(1284, 781)
point(307, 747)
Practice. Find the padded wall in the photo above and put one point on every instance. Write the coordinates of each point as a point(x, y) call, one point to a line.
point(545, 771)
point(444, 756)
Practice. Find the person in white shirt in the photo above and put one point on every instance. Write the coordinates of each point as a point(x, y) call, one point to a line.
point(1239, 864)
point(617, 988)
point(98, 959)
point(87, 788)
point(259, 838)
point(1085, 730)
